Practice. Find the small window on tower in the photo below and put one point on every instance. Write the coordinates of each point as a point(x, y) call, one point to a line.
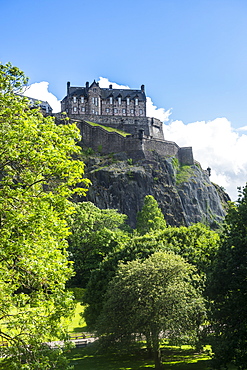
point(74, 99)
point(136, 101)
point(75, 109)
point(111, 100)
point(119, 101)
point(128, 101)
point(82, 99)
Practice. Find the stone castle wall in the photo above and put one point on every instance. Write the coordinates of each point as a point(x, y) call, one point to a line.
point(137, 145)
point(151, 126)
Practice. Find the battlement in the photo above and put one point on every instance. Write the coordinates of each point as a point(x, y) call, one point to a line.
point(136, 145)
point(151, 127)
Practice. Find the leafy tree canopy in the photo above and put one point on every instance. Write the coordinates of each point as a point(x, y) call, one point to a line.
point(228, 289)
point(154, 298)
point(196, 244)
point(150, 218)
point(38, 175)
point(94, 234)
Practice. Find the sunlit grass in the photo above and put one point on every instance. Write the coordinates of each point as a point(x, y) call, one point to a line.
point(174, 358)
point(76, 324)
point(109, 129)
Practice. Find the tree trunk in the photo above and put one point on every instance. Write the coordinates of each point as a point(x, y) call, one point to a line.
point(149, 344)
point(156, 351)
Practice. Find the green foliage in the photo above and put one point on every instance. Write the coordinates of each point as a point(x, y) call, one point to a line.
point(38, 175)
point(228, 289)
point(94, 234)
point(175, 163)
point(150, 218)
point(40, 357)
point(183, 174)
point(196, 244)
point(153, 298)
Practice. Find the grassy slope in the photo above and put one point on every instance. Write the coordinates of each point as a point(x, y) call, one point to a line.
point(109, 129)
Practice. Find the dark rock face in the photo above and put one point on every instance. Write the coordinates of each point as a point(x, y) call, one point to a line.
point(185, 195)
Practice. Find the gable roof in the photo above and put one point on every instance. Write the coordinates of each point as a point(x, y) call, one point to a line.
point(106, 93)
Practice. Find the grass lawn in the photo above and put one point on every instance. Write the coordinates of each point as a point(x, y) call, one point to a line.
point(89, 358)
point(174, 358)
point(77, 324)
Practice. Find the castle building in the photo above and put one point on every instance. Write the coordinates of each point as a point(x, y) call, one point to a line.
point(124, 110)
point(94, 100)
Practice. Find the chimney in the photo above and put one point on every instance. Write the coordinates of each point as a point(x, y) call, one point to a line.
point(142, 88)
point(110, 86)
point(68, 86)
point(87, 85)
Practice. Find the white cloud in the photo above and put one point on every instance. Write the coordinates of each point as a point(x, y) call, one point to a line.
point(152, 110)
point(40, 91)
point(104, 83)
point(216, 145)
point(160, 113)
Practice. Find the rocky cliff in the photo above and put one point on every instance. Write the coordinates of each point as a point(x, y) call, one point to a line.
point(185, 194)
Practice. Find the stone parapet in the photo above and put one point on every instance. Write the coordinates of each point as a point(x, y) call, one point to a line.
point(137, 145)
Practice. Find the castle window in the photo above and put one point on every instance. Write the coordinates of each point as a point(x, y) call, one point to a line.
point(136, 101)
point(74, 99)
point(128, 101)
point(107, 110)
point(82, 99)
point(111, 100)
point(115, 110)
point(124, 110)
point(132, 111)
point(83, 109)
point(92, 111)
point(95, 101)
point(140, 111)
point(119, 101)
point(75, 109)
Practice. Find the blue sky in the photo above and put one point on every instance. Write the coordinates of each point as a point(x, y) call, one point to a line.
point(191, 55)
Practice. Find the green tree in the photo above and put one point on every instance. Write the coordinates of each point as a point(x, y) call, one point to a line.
point(196, 244)
point(94, 234)
point(228, 289)
point(154, 298)
point(38, 175)
point(150, 218)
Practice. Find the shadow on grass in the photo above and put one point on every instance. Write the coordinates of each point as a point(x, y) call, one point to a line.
point(90, 358)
